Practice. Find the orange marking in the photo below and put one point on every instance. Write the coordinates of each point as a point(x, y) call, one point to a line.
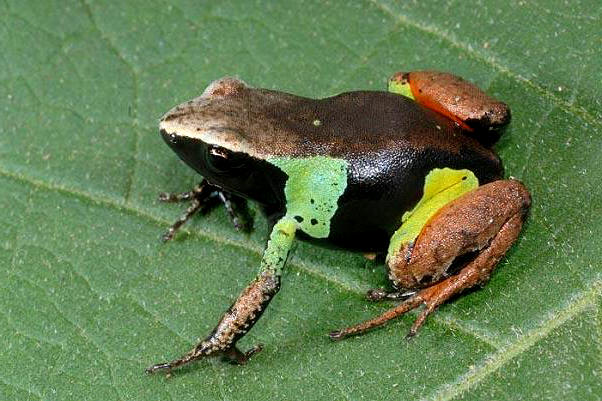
point(432, 104)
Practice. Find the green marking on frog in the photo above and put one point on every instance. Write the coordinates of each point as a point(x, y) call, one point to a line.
point(279, 244)
point(395, 86)
point(312, 191)
point(441, 186)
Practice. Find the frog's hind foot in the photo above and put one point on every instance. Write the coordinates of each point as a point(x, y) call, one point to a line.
point(359, 328)
point(379, 294)
point(475, 272)
point(201, 198)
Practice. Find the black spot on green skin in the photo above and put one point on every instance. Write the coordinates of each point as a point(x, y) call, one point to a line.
point(312, 191)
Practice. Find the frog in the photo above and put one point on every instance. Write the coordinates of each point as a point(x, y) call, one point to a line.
point(409, 172)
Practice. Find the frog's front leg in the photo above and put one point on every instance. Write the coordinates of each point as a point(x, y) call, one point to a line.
point(201, 197)
point(457, 248)
point(247, 308)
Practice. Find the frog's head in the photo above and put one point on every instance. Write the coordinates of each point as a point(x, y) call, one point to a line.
point(213, 135)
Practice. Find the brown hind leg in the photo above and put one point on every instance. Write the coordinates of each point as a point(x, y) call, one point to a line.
point(477, 113)
point(487, 220)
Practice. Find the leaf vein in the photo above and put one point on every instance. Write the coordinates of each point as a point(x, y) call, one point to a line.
point(134, 71)
point(574, 307)
point(82, 334)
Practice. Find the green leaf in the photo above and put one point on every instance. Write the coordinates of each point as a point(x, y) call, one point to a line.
point(89, 297)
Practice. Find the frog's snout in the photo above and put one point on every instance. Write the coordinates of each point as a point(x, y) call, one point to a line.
point(185, 119)
point(180, 114)
point(169, 138)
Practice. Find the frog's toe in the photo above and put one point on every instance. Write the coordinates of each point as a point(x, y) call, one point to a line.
point(409, 304)
point(237, 210)
point(237, 357)
point(336, 335)
point(203, 350)
point(379, 294)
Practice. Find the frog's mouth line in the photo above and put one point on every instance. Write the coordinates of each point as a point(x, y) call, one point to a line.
point(231, 138)
point(254, 178)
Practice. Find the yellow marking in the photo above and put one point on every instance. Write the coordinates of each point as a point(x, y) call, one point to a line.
point(441, 186)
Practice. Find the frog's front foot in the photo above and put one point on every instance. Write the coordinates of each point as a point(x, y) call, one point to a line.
point(205, 349)
point(233, 325)
point(201, 198)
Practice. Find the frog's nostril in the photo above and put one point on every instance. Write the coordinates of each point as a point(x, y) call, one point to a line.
point(168, 137)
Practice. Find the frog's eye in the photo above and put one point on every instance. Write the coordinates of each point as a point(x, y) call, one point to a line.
point(217, 159)
point(221, 160)
point(218, 153)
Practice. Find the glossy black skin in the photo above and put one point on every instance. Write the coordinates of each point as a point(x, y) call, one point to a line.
point(241, 174)
point(370, 209)
point(390, 142)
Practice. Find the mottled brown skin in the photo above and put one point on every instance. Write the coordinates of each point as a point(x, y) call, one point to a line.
point(482, 224)
point(240, 317)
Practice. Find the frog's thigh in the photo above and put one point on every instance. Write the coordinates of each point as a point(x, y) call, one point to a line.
point(477, 271)
point(455, 98)
point(481, 224)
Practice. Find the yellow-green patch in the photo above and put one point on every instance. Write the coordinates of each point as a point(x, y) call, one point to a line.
point(312, 191)
point(396, 86)
point(441, 186)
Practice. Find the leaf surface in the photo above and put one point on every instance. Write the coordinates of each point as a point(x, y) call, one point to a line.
point(89, 297)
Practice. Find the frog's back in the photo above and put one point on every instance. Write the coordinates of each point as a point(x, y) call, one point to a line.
point(390, 144)
point(264, 123)
point(344, 125)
